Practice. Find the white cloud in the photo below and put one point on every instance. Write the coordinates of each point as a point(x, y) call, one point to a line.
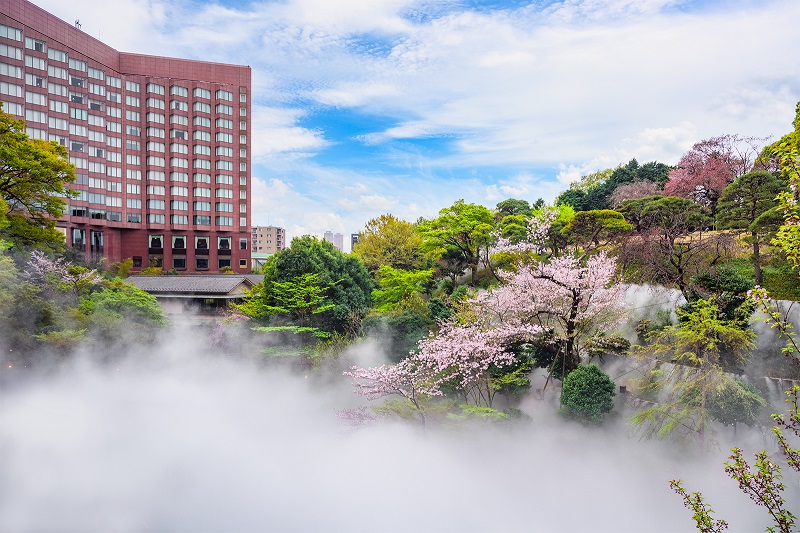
point(368, 202)
point(275, 133)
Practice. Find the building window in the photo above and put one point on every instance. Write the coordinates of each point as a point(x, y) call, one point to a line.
point(137, 261)
point(77, 64)
point(243, 244)
point(97, 245)
point(242, 263)
point(201, 263)
point(79, 239)
point(224, 243)
point(156, 241)
point(201, 243)
point(224, 263)
point(179, 263)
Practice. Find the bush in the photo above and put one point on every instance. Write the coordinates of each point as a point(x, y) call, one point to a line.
point(587, 395)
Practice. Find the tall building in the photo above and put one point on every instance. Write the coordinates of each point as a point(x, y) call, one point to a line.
point(337, 239)
point(161, 145)
point(268, 239)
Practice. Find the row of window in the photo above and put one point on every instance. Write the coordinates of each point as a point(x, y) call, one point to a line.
point(201, 242)
point(179, 263)
point(153, 218)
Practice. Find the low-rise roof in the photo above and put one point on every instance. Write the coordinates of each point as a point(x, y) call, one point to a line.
point(194, 286)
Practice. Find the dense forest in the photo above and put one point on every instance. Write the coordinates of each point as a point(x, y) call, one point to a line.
point(472, 304)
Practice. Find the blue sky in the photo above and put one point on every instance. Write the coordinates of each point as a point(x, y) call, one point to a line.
point(363, 107)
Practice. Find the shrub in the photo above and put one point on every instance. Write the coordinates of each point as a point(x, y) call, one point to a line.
point(587, 395)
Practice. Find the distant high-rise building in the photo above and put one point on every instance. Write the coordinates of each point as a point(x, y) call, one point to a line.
point(161, 146)
point(268, 239)
point(353, 240)
point(337, 239)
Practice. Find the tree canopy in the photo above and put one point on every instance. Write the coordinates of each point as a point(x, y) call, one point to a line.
point(349, 284)
point(389, 241)
point(33, 178)
point(465, 227)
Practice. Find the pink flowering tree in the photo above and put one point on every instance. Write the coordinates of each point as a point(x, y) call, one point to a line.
point(59, 275)
point(575, 296)
point(457, 358)
point(567, 300)
point(711, 165)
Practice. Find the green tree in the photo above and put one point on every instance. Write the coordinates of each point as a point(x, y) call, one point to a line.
point(587, 394)
point(388, 240)
point(597, 228)
point(513, 206)
point(686, 371)
point(349, 284)
point(750, 203)
point(398, 287)
point(466, 227)
point(33, 184)
point(737, 402)
point(786, 152)
point(594, 191)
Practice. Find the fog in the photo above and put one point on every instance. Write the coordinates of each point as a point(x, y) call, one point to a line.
point(176, 439)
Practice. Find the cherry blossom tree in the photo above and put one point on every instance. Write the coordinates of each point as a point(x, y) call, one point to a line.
point(59, 274)
point(567, 300)
point(633, 191)
point(711, 165)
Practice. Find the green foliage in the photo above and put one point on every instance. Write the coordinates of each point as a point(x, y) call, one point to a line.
point(513, 207)
point(300, 298)
point(514, 227)
point(125, 301)
point(465, 227)
point(701, 512)
point(122, 314)
point(399, 331)
point(587, 394)
point(594, 191)
point(389, 241)
point(736, 402)
point(349, 285)
point(33, 178)
point(592, 229)
point(693, 374)
point(469, 415)
point(556, 241)
point(122, 269)
point(398, 287)
point(750, 204)
point(786, 153)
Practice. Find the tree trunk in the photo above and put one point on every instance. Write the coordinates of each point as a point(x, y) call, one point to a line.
point(473, 267)
point(756, 259)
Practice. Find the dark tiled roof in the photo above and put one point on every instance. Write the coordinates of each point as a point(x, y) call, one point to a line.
point(193, 284)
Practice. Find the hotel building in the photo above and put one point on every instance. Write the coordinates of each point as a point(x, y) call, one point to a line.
point(161, 146)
